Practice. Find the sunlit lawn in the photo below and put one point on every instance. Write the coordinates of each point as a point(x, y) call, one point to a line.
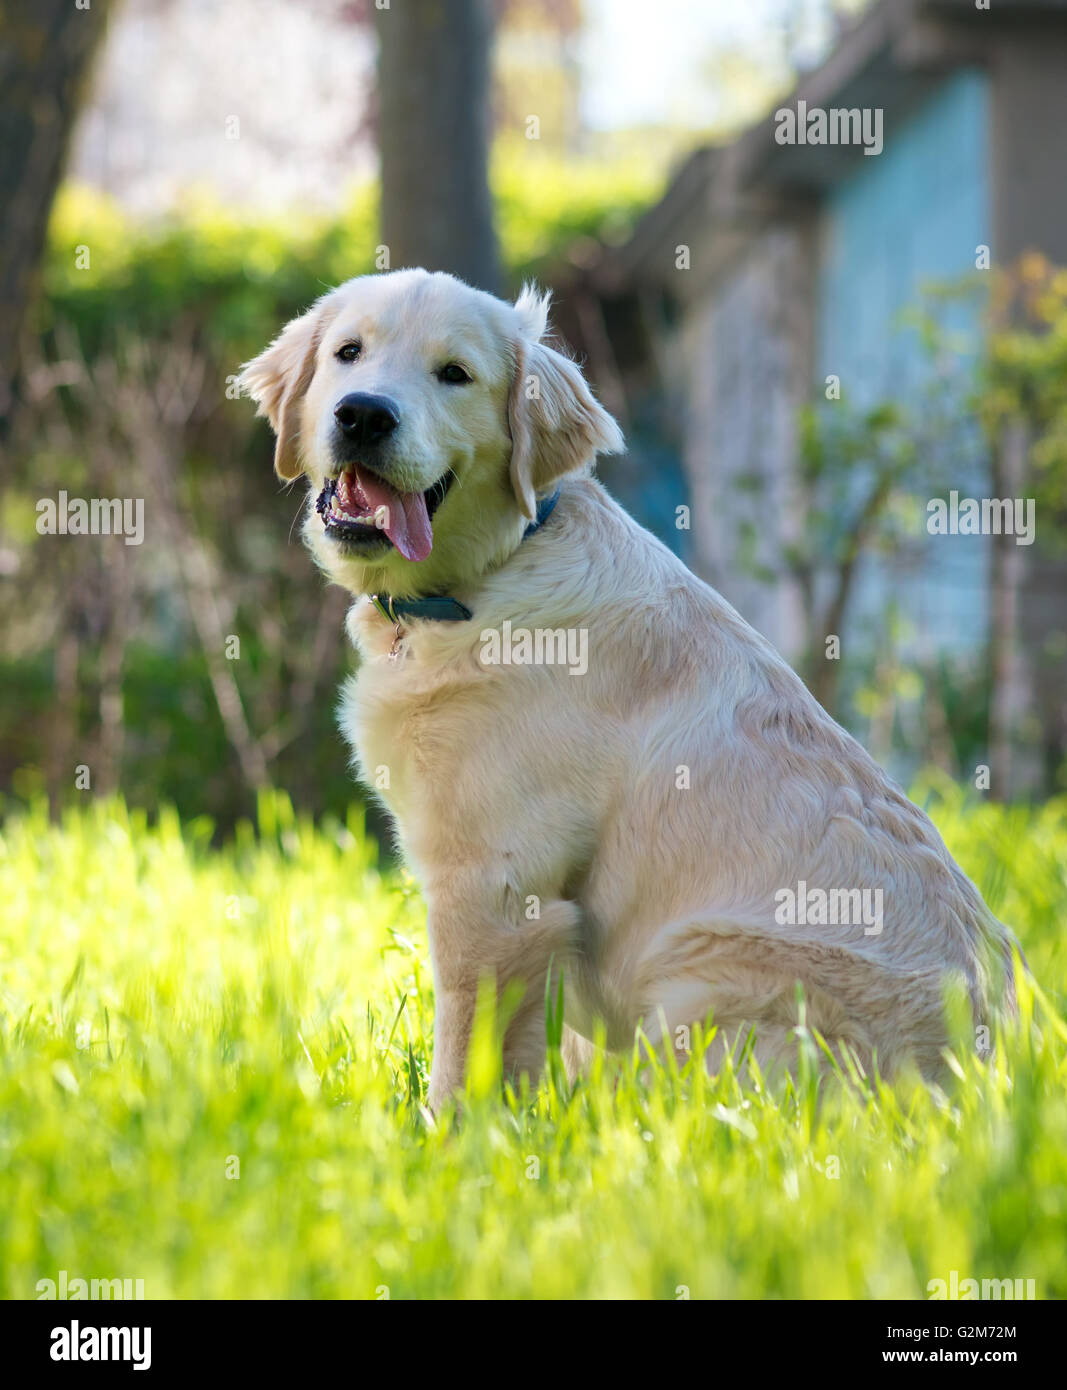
point(212, 1065)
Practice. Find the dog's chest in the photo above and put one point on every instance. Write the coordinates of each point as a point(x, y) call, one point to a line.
point(382, 725)
point(402, 727)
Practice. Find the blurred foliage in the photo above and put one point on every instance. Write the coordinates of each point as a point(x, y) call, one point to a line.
point(239, 280)
point(863, 476)
point(863, 479)
point(193, 297)
point(175, 749)
point(141, 330)
point(1024, 377)
point(551, 213)
point(1019, 375)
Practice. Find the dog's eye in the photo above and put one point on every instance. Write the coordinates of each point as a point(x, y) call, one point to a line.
point(453, 374)
point(348, 352)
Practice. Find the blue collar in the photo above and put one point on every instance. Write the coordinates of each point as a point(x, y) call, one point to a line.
point(545, 508)
point(439, 607)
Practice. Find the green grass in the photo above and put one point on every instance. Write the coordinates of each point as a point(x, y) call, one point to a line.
point(166, 1008)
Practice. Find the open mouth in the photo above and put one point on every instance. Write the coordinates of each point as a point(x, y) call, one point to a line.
point(360, 508)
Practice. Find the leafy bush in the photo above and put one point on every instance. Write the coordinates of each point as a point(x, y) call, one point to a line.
point(185, 301)
point(240, 279)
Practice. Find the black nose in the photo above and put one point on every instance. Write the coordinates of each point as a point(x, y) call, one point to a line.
point(366, 419)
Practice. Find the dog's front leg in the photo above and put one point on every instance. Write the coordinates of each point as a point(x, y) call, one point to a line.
point(475, 934)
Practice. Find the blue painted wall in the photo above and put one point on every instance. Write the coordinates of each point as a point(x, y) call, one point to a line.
point(913, 214)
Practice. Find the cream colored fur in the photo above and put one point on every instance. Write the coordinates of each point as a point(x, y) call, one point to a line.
point(631, 825)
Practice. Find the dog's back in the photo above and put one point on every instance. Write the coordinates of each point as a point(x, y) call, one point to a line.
point(751, 842)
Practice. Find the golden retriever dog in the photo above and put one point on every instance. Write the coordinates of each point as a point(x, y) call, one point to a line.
point(595, 765)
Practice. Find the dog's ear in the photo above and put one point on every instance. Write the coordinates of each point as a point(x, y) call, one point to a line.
point(557, 426)
point(278, 379)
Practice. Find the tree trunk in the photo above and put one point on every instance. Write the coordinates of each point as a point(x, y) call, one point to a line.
point(1012, 762)
point(433, 95)
point(825, 675)
point(45, 48)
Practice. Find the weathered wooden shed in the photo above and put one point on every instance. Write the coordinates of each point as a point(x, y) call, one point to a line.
point(769, 266)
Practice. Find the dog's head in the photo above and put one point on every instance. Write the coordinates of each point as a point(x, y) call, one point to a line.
point(428, 418)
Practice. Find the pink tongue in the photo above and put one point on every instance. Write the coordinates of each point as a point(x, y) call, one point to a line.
point(406, 520)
